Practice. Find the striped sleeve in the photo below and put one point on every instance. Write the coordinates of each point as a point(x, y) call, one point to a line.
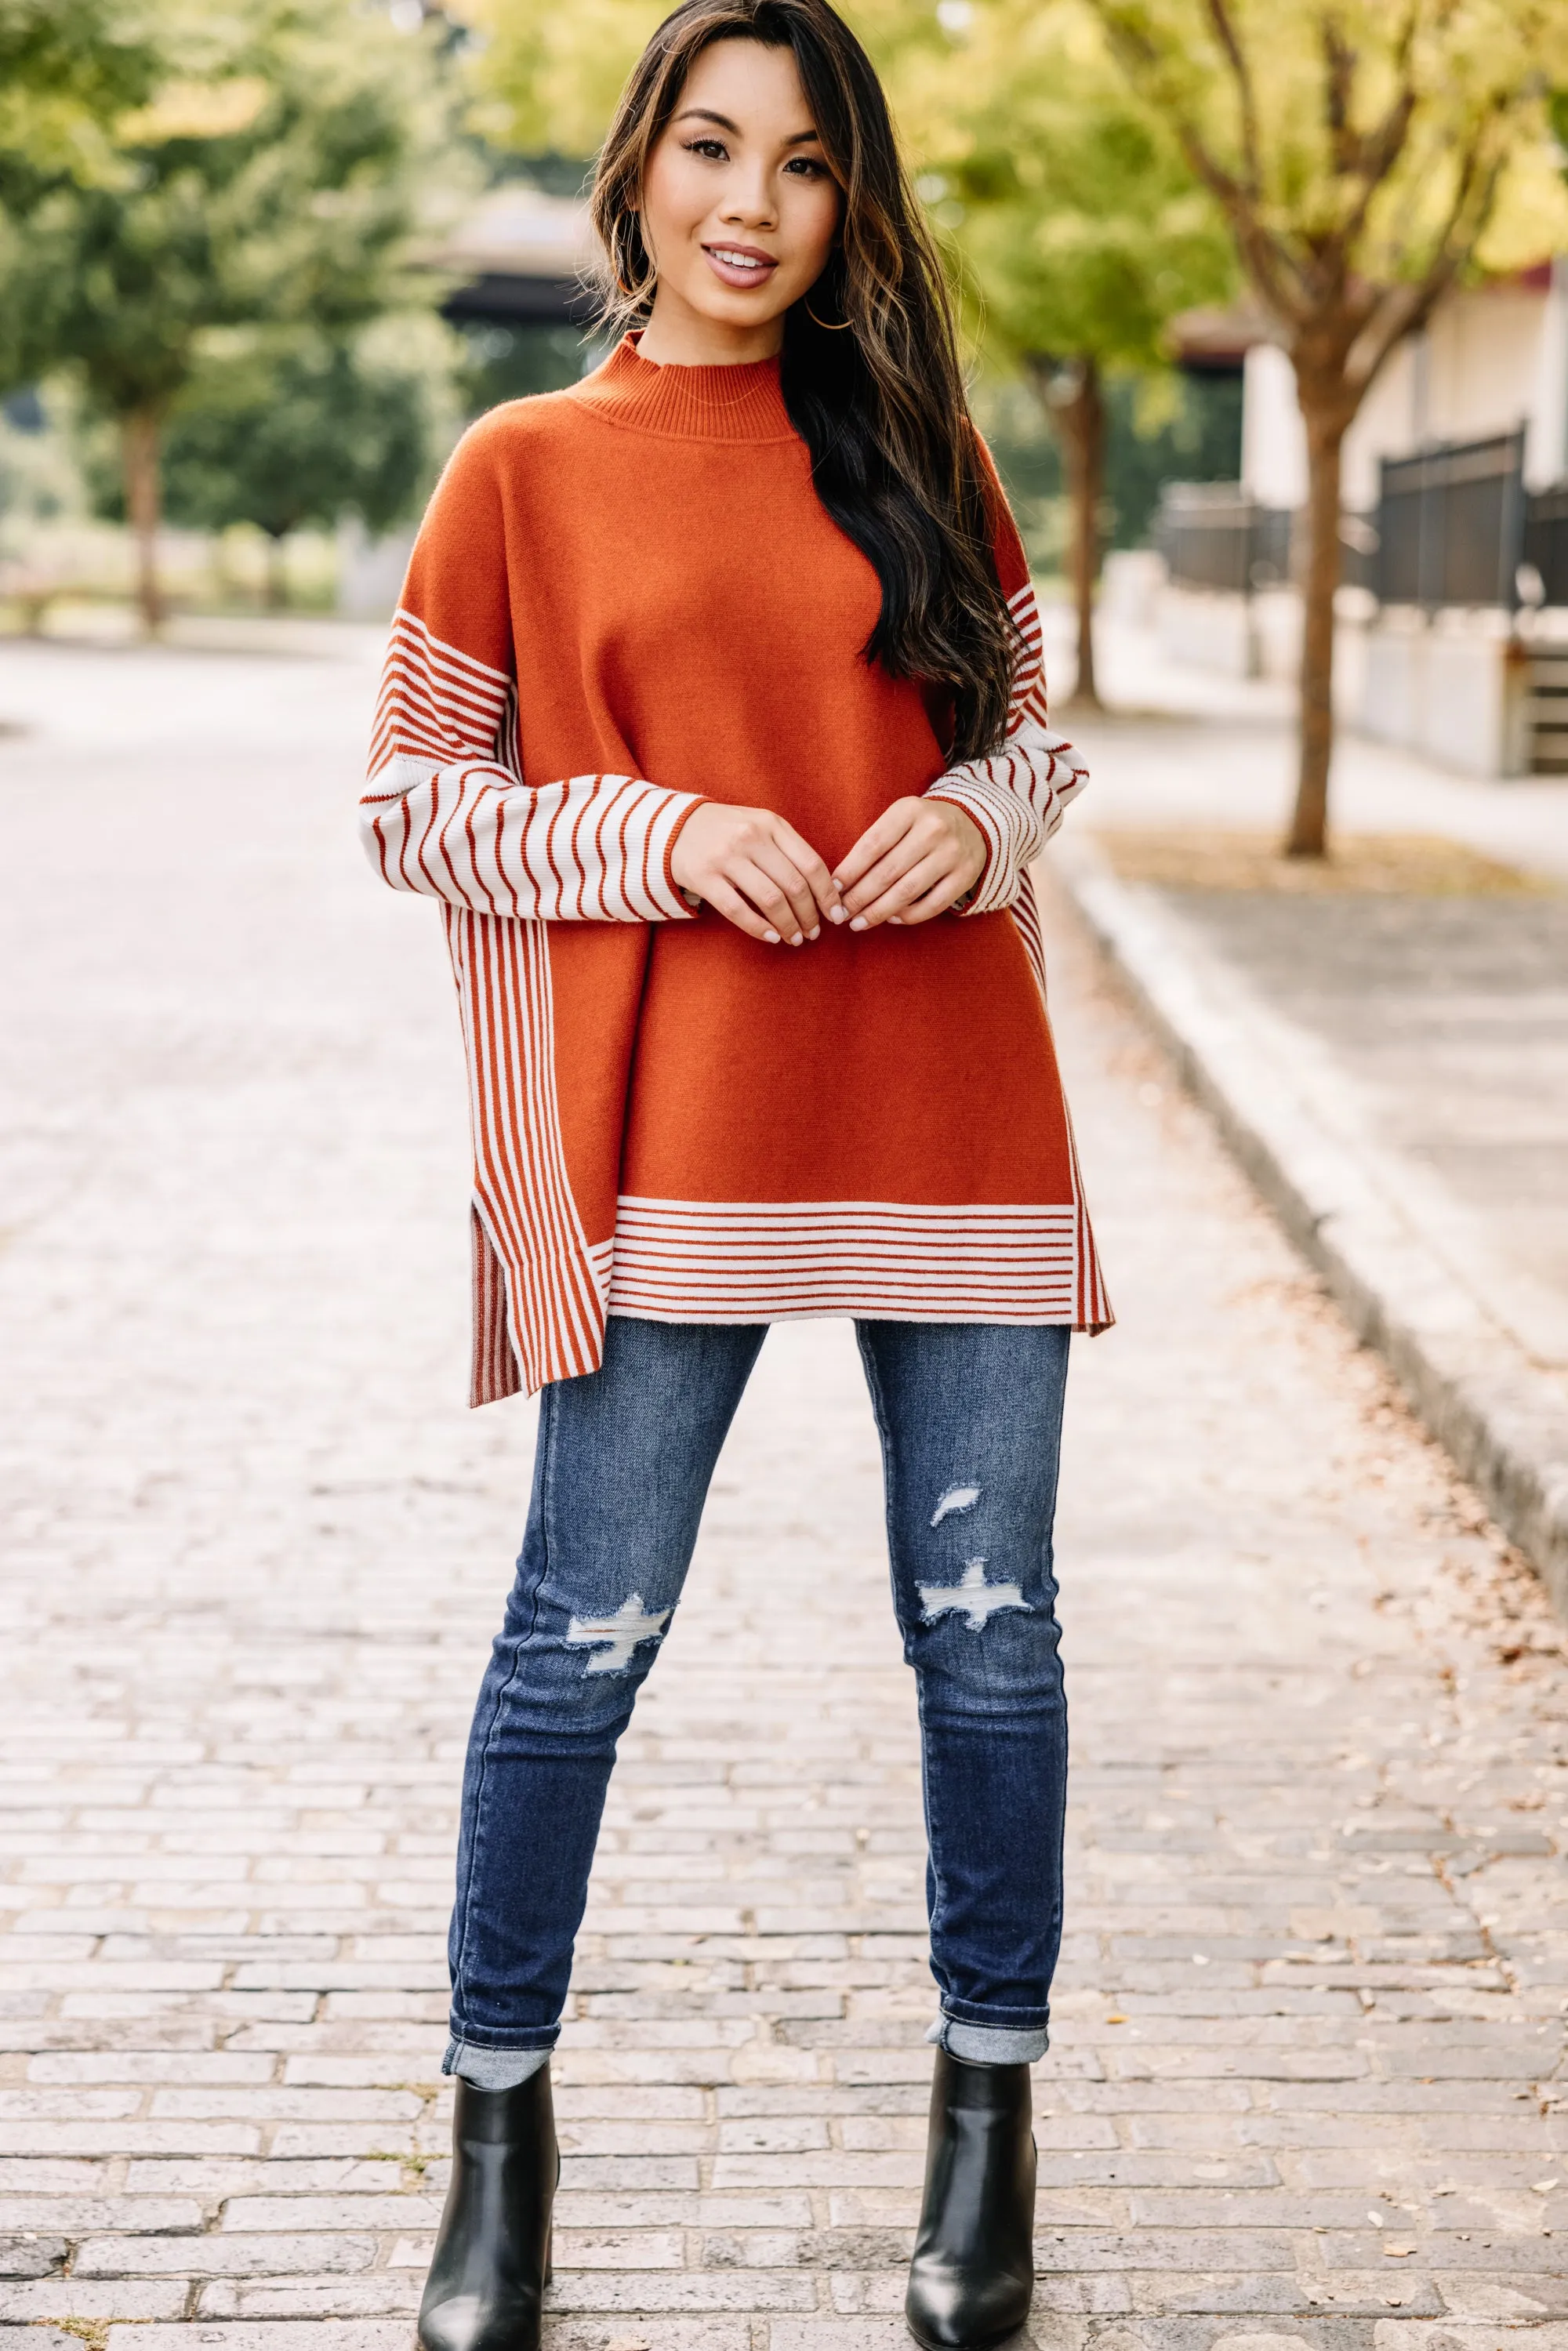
point(445, 810)
point(1018, 795)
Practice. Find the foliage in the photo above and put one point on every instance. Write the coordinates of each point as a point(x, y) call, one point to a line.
point(67, 68)
point(1364, 153)
point(39, 480)
point(272, 177)
point(299, 430)
point(514, 361)
point(546, 76)
point(1195, 437)
point(1079, 224)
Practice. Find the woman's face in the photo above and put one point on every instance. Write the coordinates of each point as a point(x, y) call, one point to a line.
point(739, 209)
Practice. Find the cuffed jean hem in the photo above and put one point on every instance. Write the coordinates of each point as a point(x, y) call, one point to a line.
point(492, 2069)
point(990, 2044)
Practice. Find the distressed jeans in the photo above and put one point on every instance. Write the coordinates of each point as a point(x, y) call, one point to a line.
point(970, 1419)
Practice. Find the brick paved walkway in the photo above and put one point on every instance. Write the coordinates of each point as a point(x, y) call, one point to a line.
point(1311, 2006)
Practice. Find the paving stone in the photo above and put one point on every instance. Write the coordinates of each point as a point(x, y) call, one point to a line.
point(31, 2255)
point(1317, 1946)
point(343, 2335)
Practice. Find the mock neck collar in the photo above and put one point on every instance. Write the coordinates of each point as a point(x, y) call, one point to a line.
point(689, 403)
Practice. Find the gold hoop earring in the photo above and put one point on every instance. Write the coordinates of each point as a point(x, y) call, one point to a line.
point(828, 326)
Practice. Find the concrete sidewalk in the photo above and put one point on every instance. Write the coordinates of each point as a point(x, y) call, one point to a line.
point(1392, 1068)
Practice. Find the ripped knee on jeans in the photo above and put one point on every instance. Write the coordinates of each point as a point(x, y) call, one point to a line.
point(615, 1640)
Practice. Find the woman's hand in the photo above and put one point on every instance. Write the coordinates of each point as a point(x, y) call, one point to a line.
point(756, 871)
point(919, 858)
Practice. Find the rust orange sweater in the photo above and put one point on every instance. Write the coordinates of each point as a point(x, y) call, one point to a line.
point(625, 598)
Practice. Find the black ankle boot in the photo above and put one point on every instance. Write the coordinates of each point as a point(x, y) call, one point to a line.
point(972, 2277)
point(491, 2264)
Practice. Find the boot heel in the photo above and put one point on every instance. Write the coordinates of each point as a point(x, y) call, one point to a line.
point(971, 2279)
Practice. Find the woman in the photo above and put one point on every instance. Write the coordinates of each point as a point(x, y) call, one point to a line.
point(714, 715)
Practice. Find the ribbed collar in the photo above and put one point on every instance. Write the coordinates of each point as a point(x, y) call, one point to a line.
point(689, 403)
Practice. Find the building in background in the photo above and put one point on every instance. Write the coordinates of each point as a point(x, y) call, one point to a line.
point(1454, 632)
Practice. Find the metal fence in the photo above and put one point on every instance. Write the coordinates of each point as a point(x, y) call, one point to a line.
point(1212, 535)
point(1450, 524)
point(1544, 577)
point(1453, 525)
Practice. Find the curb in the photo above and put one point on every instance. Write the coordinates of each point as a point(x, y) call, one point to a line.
point(1366, 1218)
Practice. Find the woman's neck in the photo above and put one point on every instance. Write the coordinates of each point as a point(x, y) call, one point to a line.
point(678, 336)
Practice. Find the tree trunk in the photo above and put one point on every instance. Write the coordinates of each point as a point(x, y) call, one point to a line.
point(139, 436)
point(1074, 400)
point(277, 574)
point(1307, 835)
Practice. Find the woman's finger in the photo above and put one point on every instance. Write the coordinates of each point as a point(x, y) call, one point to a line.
point(922, 879)
point(873, 843)
point(777, 863)
point(938, 900)
point(812, 870)
point(754, 881)
point(727, 901)
point(912, 849)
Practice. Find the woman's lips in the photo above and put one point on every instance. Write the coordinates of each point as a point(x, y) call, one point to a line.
point(740, 266)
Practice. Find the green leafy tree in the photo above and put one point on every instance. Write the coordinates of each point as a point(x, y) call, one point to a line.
point(67, 68)
point(546, 78)
point(274, 178)
point(1364, 155)
point(291, 431)
point(1080, 226)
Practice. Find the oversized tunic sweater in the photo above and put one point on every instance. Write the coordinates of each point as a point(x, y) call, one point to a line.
point(626, 598)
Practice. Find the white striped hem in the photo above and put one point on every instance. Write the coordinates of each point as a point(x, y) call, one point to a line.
point(765, 1262)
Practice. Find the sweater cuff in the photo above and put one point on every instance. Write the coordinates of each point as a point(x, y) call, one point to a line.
point(997, 815)
point(663, 831)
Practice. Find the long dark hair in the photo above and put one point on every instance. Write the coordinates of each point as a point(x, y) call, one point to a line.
point(877, 394)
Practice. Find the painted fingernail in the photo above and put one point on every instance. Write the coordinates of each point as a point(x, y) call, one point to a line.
point(771, 937)
point(816, 932)
point(796, 940)
point(859, 923)
point(837, 915)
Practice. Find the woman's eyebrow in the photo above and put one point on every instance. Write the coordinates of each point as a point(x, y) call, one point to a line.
point(706, 114)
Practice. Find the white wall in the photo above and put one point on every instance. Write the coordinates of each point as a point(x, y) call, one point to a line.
point(1494, 356)
point(1485, 347)
point(1546, 443)
point(1273, 440)
point(1456, 690)
point(1387, 425)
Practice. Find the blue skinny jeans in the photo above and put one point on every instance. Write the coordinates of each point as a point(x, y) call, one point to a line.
point(970, 1419)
